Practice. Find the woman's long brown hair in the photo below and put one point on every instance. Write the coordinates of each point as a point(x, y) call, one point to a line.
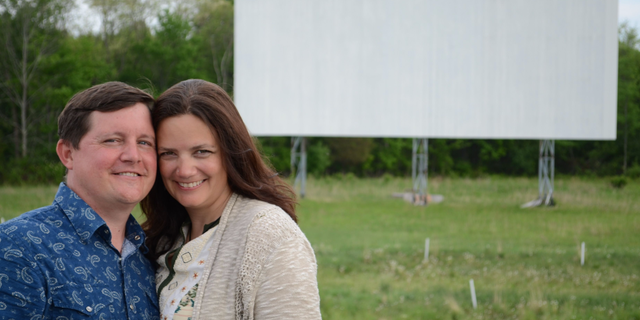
point(247, 174)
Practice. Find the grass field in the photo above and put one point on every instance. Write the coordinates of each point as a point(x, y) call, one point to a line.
point(525, 263)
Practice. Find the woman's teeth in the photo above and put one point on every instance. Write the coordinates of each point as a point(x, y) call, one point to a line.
point(190, 184)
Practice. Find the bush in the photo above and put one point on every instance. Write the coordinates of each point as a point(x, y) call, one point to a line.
point(318, 158)
point(277, 152)
point(634, 171)
point(32, 170)
point(618, 182)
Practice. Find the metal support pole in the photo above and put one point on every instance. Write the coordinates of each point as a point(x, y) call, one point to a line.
point(547, 158)
point(546, 173)
point(419, 166)
point(299, 164)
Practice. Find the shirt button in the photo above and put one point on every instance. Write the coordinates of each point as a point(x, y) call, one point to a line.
point(137, 238)
point(131, 306)
point(106, 231)
point(89, 309)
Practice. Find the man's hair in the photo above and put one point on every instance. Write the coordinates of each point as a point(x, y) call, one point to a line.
point(73, 122)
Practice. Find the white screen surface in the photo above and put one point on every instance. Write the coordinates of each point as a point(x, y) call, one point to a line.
point(513, 69)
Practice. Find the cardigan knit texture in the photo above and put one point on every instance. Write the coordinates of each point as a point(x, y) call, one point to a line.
point(261, 266)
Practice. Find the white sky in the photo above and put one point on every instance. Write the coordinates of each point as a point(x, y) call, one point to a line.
point(629, 10)
point(85, 19)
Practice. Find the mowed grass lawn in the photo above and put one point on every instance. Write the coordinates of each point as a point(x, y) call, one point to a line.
point(525, 263)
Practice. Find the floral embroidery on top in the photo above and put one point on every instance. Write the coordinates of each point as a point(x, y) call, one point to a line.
point(178, 290)
point(185, 307)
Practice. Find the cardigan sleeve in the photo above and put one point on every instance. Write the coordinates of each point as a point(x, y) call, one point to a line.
point(288, 286)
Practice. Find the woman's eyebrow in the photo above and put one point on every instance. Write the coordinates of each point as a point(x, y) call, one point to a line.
point(201, 146)
point(165, 148)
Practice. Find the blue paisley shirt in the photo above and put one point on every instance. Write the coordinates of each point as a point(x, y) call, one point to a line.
point(57, 262)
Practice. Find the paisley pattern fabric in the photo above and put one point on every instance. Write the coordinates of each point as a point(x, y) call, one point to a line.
point(57, 262)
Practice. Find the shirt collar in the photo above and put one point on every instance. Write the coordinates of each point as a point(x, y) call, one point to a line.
point(86, 221)
point(135, 234)
point(82, 217)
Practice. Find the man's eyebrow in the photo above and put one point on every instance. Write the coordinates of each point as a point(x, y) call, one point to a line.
point(122, 134)
point(148, 136)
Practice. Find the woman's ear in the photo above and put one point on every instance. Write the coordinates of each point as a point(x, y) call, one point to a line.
point(65, 153)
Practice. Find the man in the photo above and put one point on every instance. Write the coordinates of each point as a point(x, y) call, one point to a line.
point(83, 256)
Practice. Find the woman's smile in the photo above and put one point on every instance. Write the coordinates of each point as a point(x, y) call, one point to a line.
point(191, 166)
point(190, 185)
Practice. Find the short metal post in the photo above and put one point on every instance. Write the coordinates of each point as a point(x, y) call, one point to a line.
point(426, 250)
point(474, 302)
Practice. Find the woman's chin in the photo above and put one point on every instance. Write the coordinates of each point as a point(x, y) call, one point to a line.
point(188, 203)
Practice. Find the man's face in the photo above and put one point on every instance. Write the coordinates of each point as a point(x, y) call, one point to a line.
point(115, 165)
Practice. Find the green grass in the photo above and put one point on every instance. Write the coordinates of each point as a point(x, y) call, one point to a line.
point(15, 200)
point(525, 262)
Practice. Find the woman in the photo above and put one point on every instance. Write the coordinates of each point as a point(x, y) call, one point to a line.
point(220, 224)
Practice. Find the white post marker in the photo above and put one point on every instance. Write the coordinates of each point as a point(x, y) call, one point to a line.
point(582, 255)
point(473, 294)
point(426, 250)
point(2, 220)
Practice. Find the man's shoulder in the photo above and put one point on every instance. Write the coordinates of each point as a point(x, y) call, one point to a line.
point(41, 220)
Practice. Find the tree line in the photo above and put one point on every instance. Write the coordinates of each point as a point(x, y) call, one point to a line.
point(46, 57)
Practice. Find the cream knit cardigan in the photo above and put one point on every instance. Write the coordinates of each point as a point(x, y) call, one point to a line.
point(261, 266)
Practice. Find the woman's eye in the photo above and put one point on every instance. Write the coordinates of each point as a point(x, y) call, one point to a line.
point(203, 152)
point(165, 154)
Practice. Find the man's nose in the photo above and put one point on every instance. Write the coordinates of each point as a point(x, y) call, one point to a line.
point(131, 152)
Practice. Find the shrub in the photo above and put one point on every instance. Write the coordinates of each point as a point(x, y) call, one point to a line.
point(634, 171)
point(318, 158)
point(32, 170)
point(618, 182)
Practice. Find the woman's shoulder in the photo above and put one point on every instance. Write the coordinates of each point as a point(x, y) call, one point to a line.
point(268, 221)
point(248, 206)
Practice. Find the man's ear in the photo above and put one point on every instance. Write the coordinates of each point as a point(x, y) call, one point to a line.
point(65, 153)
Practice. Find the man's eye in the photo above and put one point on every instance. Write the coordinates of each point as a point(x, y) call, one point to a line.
point(147, 143)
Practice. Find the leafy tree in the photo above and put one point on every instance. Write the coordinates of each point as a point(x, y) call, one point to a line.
point(628, 91)
point(166, 57)
point(31, 32)
point(214, 24)
point(389, 155)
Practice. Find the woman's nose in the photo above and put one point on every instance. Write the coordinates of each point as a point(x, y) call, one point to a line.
point(186, 168)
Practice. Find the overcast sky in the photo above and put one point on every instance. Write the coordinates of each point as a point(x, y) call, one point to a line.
point(628, 10)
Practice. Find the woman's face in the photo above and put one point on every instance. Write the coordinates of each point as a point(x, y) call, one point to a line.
point(190, 163)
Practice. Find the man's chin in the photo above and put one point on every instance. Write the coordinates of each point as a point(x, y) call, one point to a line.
point(132, 198)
